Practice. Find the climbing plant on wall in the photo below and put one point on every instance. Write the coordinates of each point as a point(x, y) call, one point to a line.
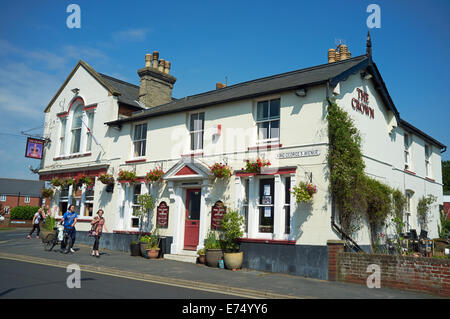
point(357, 196)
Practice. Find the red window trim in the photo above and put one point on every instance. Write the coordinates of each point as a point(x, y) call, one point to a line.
point(192, 155)
point(409, 172)
point(266, 241)
point(143, 160)
point(93, 172)
point(429, 179)
point(63, 114)
point(280, 171)
point(264, 147)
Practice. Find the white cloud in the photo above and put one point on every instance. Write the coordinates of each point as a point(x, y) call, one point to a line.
point(134, 35)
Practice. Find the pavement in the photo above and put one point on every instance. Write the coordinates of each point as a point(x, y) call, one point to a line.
point(245, 283)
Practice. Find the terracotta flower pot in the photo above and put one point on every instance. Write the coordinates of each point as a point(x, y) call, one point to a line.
point(144, 247)
point(233, 260)
point(202, 259)
point(153, 253)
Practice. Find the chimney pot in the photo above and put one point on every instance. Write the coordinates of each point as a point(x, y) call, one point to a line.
point(155, 59)
point(167, 67)
point(161, 65)
point(220, 85)
point(331, 55)
point(148, 60)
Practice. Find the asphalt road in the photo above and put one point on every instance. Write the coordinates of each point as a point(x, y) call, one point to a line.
point(25, 280)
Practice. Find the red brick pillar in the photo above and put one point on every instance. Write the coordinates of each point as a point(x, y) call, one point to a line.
point(334, 247)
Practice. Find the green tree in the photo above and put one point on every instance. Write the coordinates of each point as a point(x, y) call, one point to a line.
point(446, 175)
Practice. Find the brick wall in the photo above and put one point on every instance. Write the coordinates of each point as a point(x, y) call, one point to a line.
point(13, 201)
point(412, 273)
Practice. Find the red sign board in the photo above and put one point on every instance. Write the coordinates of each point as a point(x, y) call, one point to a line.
point(162, 215)
point(217, 213)
point(362, 104)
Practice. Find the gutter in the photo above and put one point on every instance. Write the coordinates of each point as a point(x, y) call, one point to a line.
point(334, 226)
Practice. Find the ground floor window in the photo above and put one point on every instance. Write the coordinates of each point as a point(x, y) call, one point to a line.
point(89, 201)
point(63, 200)
point(266, 205)
point(137, 188)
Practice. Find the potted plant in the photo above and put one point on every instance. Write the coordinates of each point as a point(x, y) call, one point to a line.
point(220, 170)
point(213, 250)
point(83, 179)
point(56, 182)
point(154, 175)
point(69, 181)
point(127, 176)
point(201, 255)
point(255, 166)
point(106, 179)
point(47, 192)
point(232, 224)
point(153, 249)
point(304, 192)
point(144, 244)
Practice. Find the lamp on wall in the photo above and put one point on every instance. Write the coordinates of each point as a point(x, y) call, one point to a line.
point(300, 92)
point(75, 91)
point(365, 75)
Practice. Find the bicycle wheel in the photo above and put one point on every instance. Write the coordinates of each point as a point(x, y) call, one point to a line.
point(50, 242)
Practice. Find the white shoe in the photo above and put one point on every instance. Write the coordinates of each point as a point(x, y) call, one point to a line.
point(71, 250)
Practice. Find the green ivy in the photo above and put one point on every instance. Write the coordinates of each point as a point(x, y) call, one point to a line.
point(423, 210)
point(357, 196)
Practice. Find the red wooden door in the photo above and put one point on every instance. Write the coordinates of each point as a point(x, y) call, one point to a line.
point(192, 224)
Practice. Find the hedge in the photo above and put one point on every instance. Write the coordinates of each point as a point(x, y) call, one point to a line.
point(24, 212)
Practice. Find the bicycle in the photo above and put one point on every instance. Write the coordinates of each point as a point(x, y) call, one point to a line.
point(59, 236)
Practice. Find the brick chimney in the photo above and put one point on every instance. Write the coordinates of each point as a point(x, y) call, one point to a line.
point(156, 82)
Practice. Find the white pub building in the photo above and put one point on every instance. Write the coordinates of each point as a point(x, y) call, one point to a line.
point(98, 124)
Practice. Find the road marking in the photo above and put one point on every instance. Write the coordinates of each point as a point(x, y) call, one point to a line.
point(182, 283)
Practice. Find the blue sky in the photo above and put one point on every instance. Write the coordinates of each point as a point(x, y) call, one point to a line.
point(208, 41)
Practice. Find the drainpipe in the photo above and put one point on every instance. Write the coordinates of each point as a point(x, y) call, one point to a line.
point(334, 226)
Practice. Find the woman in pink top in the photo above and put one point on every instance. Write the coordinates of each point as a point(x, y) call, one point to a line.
point(97, 225)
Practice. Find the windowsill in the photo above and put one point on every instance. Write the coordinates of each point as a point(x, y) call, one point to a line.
point(196, 153)
point(71, 156)
point(429, 179)
point(267, 241)
point(136, 160)
point(409, 172)
point(267, 146)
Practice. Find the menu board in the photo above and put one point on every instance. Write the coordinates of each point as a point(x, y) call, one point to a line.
point(217, 213)
point(162, 215)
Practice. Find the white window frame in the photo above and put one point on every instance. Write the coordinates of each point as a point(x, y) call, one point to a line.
point(269, 119)
point(62, 136)
point(287, 186)
point(3, 198)
point(265, 235)
point(90, 117)
point(408, 208)
point(26, 199)
point(407, 150)
point(134, 141)
point(428, 167)
point(134, 205)
point(193, 131)
point(81, 129)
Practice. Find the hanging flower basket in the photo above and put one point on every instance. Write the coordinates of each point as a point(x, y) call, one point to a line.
point(255, 166)
point(106, 179)
point(56, 182)
point(83, 179)
point(304, 192)
point(154, 175)
point(220, 170)
point(127, 176)
point(69, 181)
point(47, 193)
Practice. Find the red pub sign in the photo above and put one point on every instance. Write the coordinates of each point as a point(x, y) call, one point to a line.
point(217, 213)
point(362, 104)
point(162, 215)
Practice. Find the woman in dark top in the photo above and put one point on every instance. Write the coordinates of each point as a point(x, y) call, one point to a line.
point(97, 226)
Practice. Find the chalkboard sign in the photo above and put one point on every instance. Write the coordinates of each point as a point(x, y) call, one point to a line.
point(217, 213)
point(162, 215)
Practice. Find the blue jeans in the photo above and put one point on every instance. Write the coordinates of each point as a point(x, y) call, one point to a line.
point(72, 233)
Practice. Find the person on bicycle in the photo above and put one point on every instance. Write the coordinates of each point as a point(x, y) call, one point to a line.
point(70, 218)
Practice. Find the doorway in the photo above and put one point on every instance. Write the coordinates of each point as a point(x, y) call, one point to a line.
point(192, 221)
